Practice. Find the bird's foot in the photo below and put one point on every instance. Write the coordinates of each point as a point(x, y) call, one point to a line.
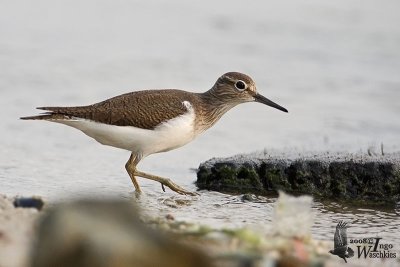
point(178, 189)
point(165, 182)
point(174, 187)
point(137, 193)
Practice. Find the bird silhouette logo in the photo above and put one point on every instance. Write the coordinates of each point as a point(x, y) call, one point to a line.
point(340, 242)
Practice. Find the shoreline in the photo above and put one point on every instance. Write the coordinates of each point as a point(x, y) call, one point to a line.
point(18, 227)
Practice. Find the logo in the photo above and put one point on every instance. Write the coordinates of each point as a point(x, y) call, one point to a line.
point(371, 247)
point(340, 242)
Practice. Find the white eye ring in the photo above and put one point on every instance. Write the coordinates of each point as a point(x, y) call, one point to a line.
point(240, 85)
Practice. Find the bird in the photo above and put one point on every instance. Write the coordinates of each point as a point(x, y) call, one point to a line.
point(152, 121)
point(340, 242)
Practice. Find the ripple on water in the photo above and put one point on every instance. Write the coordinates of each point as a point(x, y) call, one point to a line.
point(221, 210)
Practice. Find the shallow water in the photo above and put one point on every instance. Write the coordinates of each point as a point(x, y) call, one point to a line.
point(334, 65)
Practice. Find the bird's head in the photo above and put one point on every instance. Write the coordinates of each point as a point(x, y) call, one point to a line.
point(332, 251)
point(236, 87)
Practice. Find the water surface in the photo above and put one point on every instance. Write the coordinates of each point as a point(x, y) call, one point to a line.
point(333, 65)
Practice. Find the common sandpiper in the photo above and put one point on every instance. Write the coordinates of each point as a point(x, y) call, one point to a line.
point(152, 121)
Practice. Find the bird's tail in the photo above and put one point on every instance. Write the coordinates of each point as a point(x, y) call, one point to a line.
point(51, 113)
point(46, 116)
point(60, 113)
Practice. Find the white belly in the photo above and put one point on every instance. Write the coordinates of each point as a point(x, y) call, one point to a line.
point(166, 136)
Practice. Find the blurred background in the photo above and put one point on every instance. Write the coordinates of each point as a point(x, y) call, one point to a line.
point(333, 64)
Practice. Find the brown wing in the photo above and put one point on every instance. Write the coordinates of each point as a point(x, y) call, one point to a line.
point(142, 109)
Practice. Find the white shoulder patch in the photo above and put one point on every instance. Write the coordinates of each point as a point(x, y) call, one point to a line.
point(187, 105)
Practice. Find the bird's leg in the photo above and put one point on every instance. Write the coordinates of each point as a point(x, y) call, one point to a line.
point(166, 182)
point(130, 167)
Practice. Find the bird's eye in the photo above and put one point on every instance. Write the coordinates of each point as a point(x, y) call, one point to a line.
point(240, 85)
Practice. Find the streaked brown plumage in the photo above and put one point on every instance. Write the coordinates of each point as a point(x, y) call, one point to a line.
point(151, 109)
point(142, 109)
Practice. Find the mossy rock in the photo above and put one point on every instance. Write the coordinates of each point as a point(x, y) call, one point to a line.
point(340, 176)
point(227, 178)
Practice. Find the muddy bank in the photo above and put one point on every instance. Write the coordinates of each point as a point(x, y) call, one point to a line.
point(114, 233)
point(374, 179)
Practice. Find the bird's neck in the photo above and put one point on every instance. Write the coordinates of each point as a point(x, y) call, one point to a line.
point(213, 106)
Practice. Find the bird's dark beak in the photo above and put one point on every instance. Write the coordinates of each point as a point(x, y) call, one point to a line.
point(262, 99)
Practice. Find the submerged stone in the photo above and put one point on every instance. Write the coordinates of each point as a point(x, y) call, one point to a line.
point(28, 202)
point(342, 176)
